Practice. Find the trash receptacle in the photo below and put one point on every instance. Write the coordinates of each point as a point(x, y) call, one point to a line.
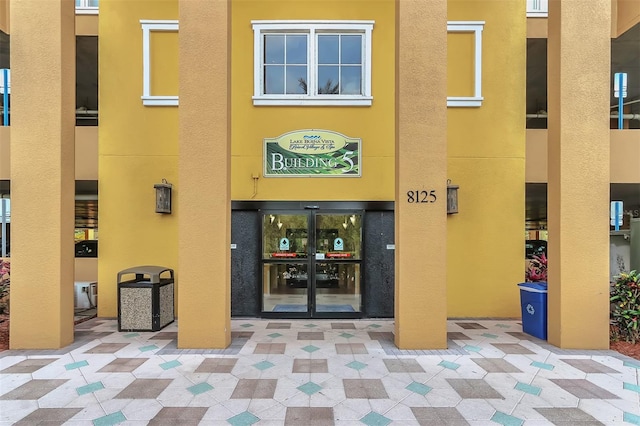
point(533, 301)
point(145, 303)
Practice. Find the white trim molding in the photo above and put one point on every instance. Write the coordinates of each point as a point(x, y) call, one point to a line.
point(311, 28)
point(147, 27)
point(476, 28)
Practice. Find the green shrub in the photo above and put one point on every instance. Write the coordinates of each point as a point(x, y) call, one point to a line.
point(625, 307)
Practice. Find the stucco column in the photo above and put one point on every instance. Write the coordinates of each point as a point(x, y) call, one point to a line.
point(579, 58)
point(421, 165)
point(42, 173)
point(204, 223)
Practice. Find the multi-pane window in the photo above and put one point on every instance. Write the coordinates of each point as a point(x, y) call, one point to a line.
point(312, 63)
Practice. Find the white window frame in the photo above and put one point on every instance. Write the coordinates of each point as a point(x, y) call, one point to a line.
point(537, 8)
point(149, 26)
point(311, 28)
point(476, 28)
point(83, 8)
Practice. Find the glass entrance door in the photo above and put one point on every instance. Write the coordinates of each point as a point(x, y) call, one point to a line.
point(311, 263)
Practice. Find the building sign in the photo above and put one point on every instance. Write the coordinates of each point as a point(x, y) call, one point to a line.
point(308, 153)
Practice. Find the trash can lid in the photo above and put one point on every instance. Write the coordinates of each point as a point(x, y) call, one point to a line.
point(153, 272)
point(535, 287)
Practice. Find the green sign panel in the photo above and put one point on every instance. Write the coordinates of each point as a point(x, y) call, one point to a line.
point(304, 153)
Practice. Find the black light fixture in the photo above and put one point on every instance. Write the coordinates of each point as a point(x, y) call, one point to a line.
point(163, 197)
point(452, 198)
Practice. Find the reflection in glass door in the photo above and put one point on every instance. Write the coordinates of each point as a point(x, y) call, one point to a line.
point(311, 264)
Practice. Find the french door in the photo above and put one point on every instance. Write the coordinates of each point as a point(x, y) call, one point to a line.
point(311, 264)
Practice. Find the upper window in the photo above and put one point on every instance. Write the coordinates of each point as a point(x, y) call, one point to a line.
point(312, 62)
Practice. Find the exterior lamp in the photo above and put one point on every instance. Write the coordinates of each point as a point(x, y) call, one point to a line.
point(163, 197)
point(452, 198)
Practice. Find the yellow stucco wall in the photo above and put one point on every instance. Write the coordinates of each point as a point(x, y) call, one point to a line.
point(374, 124)
point(138, 147)
point(486, 154)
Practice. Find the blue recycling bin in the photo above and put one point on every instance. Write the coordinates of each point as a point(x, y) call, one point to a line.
point(533, 301)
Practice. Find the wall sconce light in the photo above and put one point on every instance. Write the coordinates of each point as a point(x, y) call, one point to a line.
point(452, 198)
point(163, 197)
point(352, 218)
point(271, 218)
point(279, 224)
point(344, 225)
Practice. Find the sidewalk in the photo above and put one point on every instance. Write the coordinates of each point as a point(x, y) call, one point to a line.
point(317, 372)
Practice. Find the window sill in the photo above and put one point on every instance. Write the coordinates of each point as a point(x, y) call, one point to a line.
point(87, 11)
point(159, 100)
point(464, 101)
point(306, 101)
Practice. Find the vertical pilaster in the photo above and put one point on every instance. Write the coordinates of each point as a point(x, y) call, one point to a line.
point(421, 165)
point(579, 58)
point(42, 173)
point(204, 196)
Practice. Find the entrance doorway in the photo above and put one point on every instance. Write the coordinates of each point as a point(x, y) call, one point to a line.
point(311, 264)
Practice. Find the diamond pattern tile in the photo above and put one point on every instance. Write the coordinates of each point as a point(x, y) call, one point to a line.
point(471, 326)
point(584, 389)
point(270, 348)
point(122, 365)
point(311, 416)
point(512, 348)
point(403, 366)
point(589, 366)
point(474, 389)
point(438, 416)
point(33, 389)
point(183, 416)
point(310, 366)
point(254, 389)
point(496, 365)
point(351, 348)
point(216, 365)
point(568, 416)
point(144, 389)
point(364, 388)
point(28, 366)
point(48, 416)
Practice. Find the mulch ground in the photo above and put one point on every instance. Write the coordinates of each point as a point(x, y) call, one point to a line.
point(629, 349)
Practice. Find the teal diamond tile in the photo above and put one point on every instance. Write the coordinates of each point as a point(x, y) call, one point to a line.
point(489, 335)
point(449, 365)
point(631, 364)
point(274, 335)
point(111, 419)
point(246, 325)
point(170, 364)
point(75, 365)
point(631, 387)
point(631, 418)
point(356, 365)
point(200, 388)
point(542, 365)
point(310, 388)
point(533, 390)
point(506, 420)
point(375, 419)
point(470, 348)
point(375, 326)
point(503, 326)
point(243, 419)
point(148, 348)
point(419, 388)
point(130, 335)
point(346, 335)
point(310, 325)
point(263, 365)
point(91, 387)
point(310, 348)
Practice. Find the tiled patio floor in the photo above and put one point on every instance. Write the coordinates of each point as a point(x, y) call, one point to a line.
point(317, 372)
